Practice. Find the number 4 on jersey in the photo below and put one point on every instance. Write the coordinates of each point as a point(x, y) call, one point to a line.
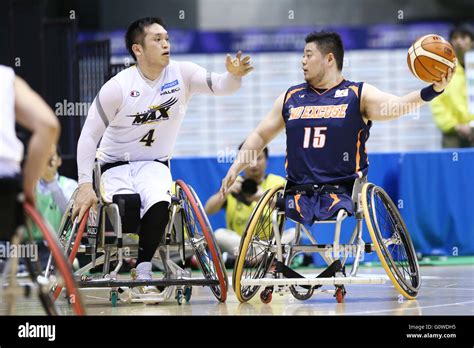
point(319, 139)
point(148, 138)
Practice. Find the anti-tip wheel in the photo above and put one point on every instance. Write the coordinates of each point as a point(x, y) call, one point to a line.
point(266, 296)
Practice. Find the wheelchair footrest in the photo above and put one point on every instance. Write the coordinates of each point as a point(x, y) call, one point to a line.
point(110, 283)
point(314, 282)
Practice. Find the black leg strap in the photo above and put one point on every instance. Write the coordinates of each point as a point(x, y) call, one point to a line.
point(329, 272)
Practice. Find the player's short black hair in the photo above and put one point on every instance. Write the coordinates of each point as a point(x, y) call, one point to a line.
point(265, 150)
point(136, 30)
point(463, 29)
point(328, 42)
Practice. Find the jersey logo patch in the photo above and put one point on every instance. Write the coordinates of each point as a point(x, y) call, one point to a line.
point(169, 85)
point(150, 116)
point(134, 94)
point(341, 93)
point(171, 91)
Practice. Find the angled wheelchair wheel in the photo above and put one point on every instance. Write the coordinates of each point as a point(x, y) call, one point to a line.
point(256, 250)
point(392, 241)
point(70, 235)
point(199, 233)
point(66, 224)
point(70, 232)
point(63, 267)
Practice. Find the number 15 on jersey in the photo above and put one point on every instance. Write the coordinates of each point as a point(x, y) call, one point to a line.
point(315, 133)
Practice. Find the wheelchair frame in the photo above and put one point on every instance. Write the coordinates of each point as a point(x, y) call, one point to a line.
point(176, 280)
point(281, 284)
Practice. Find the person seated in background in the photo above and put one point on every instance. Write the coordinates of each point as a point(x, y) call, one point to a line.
point(239, 204)
point(450, 109)
point(53, 192)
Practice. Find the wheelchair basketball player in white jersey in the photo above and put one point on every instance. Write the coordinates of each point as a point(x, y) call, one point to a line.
point(138, 114)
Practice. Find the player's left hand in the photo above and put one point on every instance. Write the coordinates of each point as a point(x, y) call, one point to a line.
point(439, 86)
point(237, 66)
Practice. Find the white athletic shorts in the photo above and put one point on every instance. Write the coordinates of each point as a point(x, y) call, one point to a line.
point(152, 180)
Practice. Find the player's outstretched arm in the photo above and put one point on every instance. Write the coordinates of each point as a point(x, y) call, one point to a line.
point(35, 115)
point(100, 114)
point(265, 132)
point(199, 80)
point(381, 106)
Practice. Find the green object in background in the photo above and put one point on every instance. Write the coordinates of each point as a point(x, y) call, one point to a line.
point(446, 260)
point(49, 210)
point(435, 261)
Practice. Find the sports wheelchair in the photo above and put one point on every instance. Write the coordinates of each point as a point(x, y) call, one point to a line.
point(18, 219)
point(263, 261)
point(187, 233)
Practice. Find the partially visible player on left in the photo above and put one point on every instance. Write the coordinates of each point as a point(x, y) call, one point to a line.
point(19, 103)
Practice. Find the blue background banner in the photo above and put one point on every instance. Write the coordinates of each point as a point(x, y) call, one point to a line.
point(280, 40)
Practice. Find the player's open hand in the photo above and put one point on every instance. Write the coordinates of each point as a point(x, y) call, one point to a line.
point(237, 66)
point(85, 199)
point(227, 183)
point(439, 86)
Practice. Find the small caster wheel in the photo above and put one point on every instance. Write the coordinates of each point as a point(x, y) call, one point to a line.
point(266, 295)
point(114, 297)
point(187, 294)
point(27, 290)
point(340, 294)
point(179, 296)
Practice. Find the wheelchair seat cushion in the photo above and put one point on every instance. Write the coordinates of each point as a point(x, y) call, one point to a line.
point(319, 207)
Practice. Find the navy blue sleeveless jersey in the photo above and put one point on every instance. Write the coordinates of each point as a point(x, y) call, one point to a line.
point(325, 134)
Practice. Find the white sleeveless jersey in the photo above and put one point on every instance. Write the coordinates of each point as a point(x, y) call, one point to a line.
point(146, 125)
point(11, 148)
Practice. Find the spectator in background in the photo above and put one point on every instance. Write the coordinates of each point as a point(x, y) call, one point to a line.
point(450, 109)
point(239, 204)
point(52, 195)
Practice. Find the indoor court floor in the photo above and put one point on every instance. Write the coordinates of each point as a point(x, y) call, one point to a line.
point(446, 290)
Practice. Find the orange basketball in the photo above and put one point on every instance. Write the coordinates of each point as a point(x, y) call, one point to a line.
point(430, 56)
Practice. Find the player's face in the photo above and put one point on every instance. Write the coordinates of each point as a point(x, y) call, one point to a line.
point(461, 43)
point(313, 63)
point(257, 171)
point(156, 45)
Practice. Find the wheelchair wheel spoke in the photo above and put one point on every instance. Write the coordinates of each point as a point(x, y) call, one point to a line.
point(198, 241)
